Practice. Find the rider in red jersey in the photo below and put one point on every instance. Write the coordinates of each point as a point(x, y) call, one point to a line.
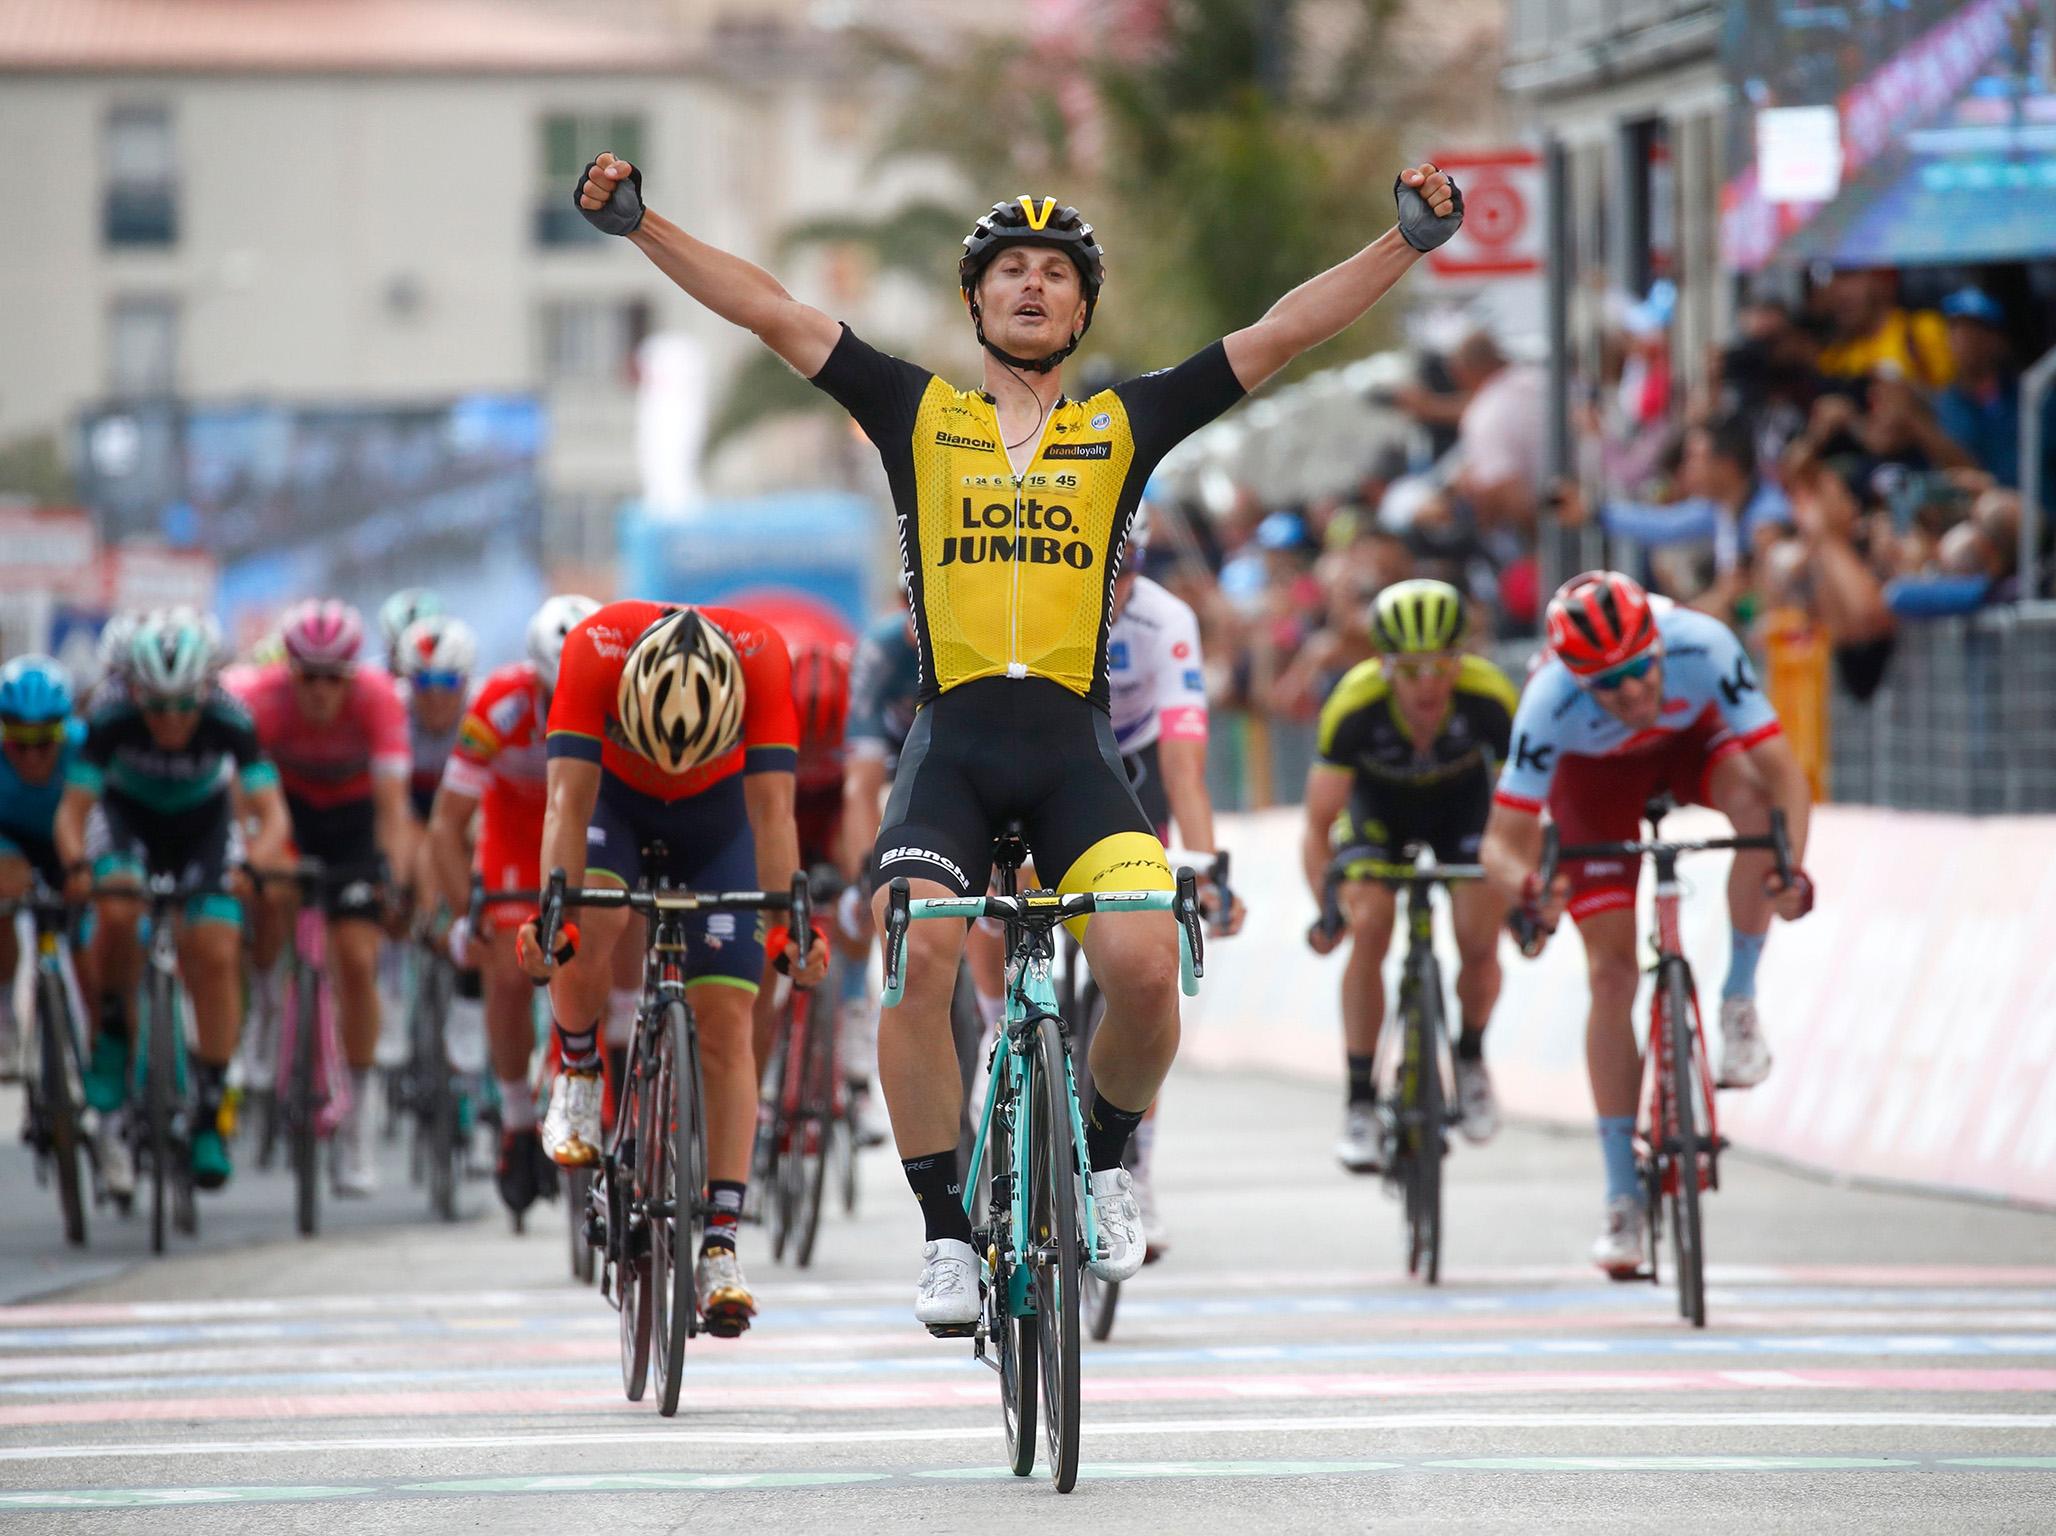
point(496, 773)
point(338, 734)
point(672, 725)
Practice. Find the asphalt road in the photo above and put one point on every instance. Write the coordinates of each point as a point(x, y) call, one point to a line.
point(1875, 1362)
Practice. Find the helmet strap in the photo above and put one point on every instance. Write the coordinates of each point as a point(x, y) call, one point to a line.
point(1033, 365)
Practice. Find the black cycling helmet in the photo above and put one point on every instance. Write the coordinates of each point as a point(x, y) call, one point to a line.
point(1032, 221)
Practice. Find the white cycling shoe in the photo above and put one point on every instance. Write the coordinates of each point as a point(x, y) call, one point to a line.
point(1744, 1053)
point(111, 1153)
point(571, 1130)
point(1155, 1243)
point(1361, 1148)
point(1120, 1225)
point(1623, 1243)
point(351, 1161)
point(947, 1297)
point(726, 1305)
point(1476, 1104)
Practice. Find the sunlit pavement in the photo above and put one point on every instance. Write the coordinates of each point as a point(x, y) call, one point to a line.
point(1874, 1362)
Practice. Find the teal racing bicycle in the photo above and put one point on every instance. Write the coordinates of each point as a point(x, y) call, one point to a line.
point(1040, 1225)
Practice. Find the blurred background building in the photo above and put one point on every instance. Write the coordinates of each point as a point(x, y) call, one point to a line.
point(1749, 300)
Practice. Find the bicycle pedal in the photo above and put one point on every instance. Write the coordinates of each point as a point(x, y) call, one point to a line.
point(953, 1330)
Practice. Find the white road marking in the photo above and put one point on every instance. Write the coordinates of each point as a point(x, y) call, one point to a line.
point(988, 1429)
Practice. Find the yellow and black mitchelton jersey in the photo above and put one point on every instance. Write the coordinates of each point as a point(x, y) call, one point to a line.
point(1012, 574)
point(1361, 729)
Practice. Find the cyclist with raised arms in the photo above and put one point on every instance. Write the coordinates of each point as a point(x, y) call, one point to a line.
point(157, 789)
point(39, 737)
point(1013, 502)
point(338, 733)
point(496, 773)
point(1633, 701)
point(672, 725)
point(1409, 744)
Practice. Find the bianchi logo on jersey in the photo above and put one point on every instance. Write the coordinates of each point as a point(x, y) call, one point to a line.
point(923, 856)
point(1079, 451)
point(952, 440)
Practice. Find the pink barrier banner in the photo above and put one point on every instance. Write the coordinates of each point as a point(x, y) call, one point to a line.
point(1912, 1015)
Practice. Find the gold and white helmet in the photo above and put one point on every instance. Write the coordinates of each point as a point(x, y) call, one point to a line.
point(681, 694)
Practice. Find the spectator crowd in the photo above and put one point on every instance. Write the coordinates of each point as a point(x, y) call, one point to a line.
point(1837, 471)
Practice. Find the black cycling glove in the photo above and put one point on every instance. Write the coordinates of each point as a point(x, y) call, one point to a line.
point(622, 213)
point(1418, 224)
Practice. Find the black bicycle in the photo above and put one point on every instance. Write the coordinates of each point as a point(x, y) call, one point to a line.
point(1416, 1132)
point(648, 1203)
point(53, 1064)
point(1679, 1143)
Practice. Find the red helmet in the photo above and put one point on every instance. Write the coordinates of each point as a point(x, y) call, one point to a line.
point(821, 692)
point(1599, 619)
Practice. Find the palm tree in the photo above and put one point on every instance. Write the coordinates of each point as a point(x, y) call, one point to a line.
point(1222, 162)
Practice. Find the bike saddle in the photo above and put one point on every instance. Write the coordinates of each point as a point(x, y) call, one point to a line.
point(1009, 849)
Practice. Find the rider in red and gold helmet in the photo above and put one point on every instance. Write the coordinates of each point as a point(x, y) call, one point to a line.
point(1600, 619)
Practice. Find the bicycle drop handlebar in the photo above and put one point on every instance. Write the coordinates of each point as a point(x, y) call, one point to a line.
point(1361, 862)
point(559, 895)
point(1044, 910)
point(1777, 843)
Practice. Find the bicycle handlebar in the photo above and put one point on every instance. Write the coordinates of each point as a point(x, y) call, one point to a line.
point(558, 896)
point(1358, 862)
point(1528, 933)
point(1044, 910)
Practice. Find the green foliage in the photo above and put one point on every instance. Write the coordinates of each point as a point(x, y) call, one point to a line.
point(1237, 157)
point(33, 467)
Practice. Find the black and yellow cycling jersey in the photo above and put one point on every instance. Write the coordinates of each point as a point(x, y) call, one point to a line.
point(1437, 792)
point(1361, 729)
point(1012, 574)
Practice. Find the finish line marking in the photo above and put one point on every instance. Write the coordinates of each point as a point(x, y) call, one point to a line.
point(668, 1435)
point(730, 1482)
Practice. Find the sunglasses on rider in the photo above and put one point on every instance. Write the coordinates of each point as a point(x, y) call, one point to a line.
point(41, 733)
point(1626, 672)
point(439, 682)
point(176, 704)
point(310, 675)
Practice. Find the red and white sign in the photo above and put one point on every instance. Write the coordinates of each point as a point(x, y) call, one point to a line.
point(1503, 220)
point(143, 575)
point(50, 549)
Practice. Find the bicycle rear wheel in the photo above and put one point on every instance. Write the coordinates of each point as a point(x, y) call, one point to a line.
point(578, 1187)
point(1686, 1230)
point(1057, 1280)
point(628, 1235)
point(60, 1107)
point(682, 1182)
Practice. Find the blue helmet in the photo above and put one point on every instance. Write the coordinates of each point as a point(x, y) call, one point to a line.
point(34, 689)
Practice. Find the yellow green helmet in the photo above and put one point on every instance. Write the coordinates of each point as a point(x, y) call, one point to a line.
point(1415, 617)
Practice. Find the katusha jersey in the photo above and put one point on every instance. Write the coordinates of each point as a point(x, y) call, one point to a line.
point(583, 723)
point(1012, 575)
point(1704, 668)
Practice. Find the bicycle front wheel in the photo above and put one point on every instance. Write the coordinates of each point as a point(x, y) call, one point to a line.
point(1057, 1278)
point(1425, 1121)
point(1010, 1325)
point(301, 1106)
point(1686, 1230)
point(159, 1092)
point(60, 1106)
point(628, 1229)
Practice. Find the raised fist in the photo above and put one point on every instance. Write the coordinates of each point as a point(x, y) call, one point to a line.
point(1430, 206)
point(609, 194)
